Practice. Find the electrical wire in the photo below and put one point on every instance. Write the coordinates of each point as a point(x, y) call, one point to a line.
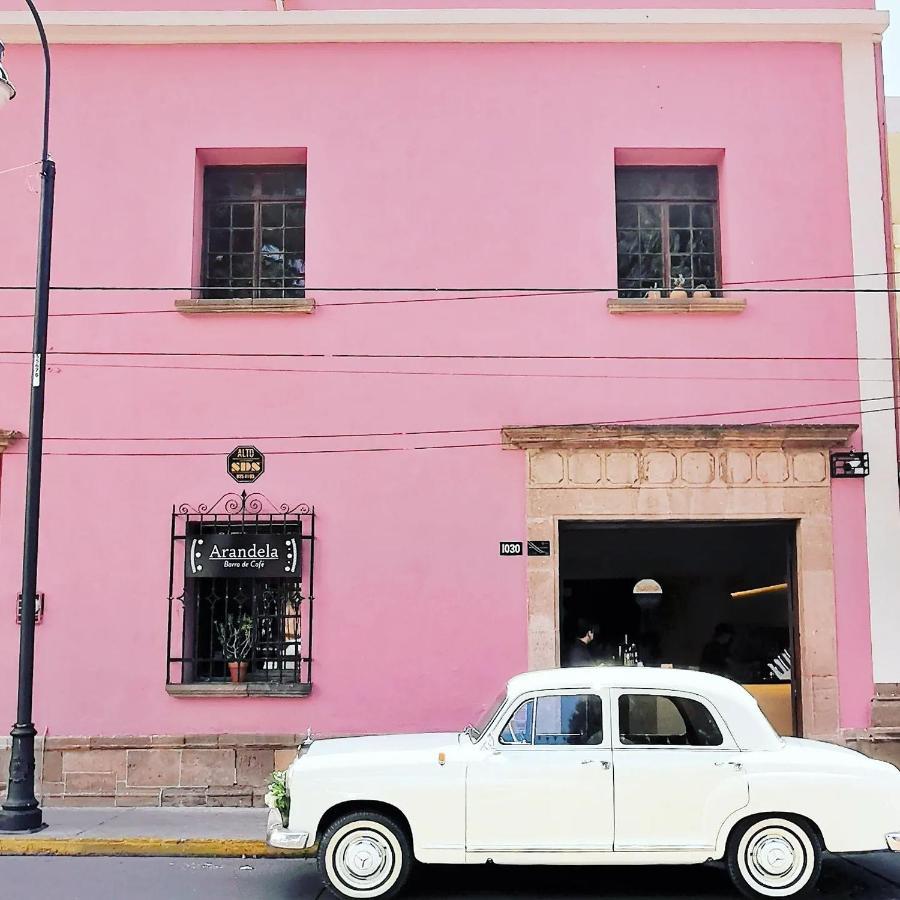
point(558, 357)
point(602, 376)
point(680, 417)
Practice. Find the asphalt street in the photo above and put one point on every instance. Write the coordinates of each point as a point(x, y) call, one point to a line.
point(45, 878)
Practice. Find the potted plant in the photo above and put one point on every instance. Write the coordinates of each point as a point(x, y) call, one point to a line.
point(235, 636)
point(702, 292)
point(678, 291)
point(277, 796)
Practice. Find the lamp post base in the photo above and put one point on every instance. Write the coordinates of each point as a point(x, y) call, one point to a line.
point(19, 821)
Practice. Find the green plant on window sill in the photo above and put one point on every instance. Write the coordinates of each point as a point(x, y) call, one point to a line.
point(277, 796)
point(236, 637)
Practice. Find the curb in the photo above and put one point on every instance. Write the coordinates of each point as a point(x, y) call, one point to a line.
point(143, 846)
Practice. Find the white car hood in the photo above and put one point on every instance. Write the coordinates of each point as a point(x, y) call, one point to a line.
point(382, 743)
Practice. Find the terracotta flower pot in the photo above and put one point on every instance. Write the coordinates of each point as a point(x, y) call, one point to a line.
point(237, 671)
point(678, 294)
point(702, 292)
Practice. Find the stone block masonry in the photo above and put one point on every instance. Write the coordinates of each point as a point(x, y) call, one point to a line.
point(157, 770)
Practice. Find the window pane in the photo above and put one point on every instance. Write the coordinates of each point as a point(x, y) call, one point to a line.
point(294, 239)
point(273, 184)
point(220, 216)
point(649, 216)
point(242, 240)
point(680, 241)
point(272, 215)
point(219, 240)
point(702, 215)
point(570, 720)
point(518, 729)
point(655, 720)
point(626, 215)
point(703, 240)
point(628, 241)
point(293, 214)
point(666, 183)
point(242, 215)
point(272, 240)
point(679, 216)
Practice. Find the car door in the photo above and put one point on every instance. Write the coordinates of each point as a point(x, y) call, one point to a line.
point(678, 772)
point(542, 781)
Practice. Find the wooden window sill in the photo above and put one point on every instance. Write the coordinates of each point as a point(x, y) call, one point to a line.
point(246, 305)
point(619, 305)
point(247, 689)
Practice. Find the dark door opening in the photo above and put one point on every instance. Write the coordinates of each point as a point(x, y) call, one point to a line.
point(697, 622)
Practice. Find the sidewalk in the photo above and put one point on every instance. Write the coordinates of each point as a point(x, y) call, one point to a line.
point(172, 831)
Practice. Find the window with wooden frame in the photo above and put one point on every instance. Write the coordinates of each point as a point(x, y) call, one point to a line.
point(667, 229)
point(254, 232)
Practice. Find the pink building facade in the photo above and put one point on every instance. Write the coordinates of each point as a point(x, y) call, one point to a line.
point(546, 166)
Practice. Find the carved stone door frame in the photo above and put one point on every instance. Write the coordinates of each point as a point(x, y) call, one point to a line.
point(691, 473)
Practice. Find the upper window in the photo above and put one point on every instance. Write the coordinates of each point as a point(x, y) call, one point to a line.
point(566, 719)
point(254, 231)
point(667, 228)
point(655, 720)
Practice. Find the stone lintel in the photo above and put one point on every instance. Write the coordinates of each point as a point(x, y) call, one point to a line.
point(676, 436)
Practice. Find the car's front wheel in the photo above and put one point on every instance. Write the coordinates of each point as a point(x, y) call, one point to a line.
point(774, 856)
point(365, 855)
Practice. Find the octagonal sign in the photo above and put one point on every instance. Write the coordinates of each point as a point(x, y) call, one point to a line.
point(245, 464)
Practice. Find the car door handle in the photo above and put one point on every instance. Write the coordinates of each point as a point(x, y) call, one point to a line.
point(734, 765)
point(588, 762)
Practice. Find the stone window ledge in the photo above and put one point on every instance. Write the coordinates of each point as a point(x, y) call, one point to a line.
point(619, 305)
point(7, 437)
point(247, 689)
point(246, 305)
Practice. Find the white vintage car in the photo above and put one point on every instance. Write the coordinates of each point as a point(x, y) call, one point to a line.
point(589, 766)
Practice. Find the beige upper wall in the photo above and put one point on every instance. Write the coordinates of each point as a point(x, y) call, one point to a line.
point(893, 126)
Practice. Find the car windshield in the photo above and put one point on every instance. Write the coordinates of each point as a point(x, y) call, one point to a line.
point(477, 730)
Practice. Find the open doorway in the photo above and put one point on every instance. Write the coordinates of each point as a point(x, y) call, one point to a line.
point(726, 604)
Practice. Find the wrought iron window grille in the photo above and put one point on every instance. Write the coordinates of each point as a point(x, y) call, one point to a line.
point(242, 563)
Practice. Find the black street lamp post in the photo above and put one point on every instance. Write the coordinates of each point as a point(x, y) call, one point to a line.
point(21, 811)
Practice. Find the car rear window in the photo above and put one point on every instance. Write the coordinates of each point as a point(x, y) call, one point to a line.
point(656, 720)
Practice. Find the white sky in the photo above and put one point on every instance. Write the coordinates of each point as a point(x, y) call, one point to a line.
point(892, 48)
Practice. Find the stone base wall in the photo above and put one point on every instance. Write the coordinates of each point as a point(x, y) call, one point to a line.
point(157, 770)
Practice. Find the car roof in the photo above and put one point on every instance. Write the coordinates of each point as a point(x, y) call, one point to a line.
point(742, 715)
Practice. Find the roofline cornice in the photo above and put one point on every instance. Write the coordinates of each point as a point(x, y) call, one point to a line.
point(450, 26)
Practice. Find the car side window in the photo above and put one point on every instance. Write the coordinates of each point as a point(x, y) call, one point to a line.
point(519, 729)
point(557, 720)
point(654, 720)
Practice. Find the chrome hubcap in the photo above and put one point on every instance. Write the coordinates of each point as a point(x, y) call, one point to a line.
point(363, 856)
point(777, 860)
point(774, 855)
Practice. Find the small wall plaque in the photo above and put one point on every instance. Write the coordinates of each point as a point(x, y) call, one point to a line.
point(853, 464)
point(245, 464)
point(510, 548)
point(539, 548)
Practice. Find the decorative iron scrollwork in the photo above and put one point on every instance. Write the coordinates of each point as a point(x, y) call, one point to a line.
point(241, 504)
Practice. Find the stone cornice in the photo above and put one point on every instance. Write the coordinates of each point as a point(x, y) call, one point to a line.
point(449, 26)
point(677, 436)
point(7, 437)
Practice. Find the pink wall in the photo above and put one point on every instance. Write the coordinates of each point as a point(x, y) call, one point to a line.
point(428, 165)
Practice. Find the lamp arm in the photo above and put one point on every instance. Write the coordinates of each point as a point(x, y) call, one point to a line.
point(45, 153)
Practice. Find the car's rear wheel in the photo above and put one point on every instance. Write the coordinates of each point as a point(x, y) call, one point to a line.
point(365, 855)
point(774, 856)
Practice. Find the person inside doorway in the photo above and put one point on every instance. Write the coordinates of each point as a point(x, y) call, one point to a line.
point(579, 653)
point(716, 657)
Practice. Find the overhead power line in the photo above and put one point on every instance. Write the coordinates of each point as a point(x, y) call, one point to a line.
point(679, 417)
point(558, 357)
point(335, 450)
point(429, 373)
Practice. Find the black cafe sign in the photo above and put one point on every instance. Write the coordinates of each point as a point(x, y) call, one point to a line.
point(243, 555)
point(245, 464)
